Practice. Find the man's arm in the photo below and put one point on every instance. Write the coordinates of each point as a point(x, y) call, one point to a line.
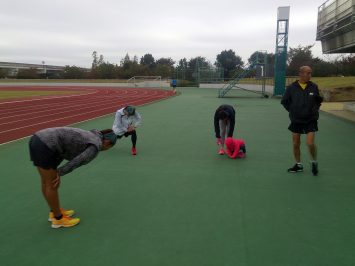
point(85, 157)
point(286, 99)
point(319, 99)
point(118, 127)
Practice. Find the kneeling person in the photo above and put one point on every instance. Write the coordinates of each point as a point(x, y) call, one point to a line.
point(127, 119)
point(235, 148)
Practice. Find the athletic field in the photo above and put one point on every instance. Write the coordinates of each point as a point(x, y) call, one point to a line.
point(180, 203)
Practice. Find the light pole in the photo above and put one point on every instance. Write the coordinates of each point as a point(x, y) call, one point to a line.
point(44, 69)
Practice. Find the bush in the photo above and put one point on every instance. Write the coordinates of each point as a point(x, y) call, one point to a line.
point(73, 72)
point(31, 73)
point(186, 83)
point(3, 73)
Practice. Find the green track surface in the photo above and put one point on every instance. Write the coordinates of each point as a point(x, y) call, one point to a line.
point(179, 203)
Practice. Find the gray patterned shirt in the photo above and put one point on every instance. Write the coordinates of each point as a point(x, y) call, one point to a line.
point(76, 145)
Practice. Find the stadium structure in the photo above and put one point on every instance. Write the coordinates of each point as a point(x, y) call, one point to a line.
point(336, 26)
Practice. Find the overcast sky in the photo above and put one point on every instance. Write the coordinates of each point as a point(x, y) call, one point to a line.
point(66, 32)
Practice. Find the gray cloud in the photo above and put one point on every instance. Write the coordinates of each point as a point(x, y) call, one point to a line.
point(66, 32)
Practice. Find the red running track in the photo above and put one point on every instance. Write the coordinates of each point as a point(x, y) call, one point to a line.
point(22, 117)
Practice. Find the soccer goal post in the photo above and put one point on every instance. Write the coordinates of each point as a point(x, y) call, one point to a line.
point(146, 81)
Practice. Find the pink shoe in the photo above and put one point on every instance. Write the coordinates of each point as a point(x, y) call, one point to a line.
point(221, 151)
point(134, 151)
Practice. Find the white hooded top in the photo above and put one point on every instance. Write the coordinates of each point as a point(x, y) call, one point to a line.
point(122, 121)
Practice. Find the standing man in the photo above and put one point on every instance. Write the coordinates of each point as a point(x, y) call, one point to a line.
point(125, 124)
point(302, 101)
point(224, 121)
point(49, 147)
point(174, 83)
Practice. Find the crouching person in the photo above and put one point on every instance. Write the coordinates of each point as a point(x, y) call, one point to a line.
point(235, 148)
point(127, 119)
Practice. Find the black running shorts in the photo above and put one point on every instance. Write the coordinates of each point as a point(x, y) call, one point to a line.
point(42, 156)
point(311, 126)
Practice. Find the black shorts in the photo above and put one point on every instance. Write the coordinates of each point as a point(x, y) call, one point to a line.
point(42, 156)
point(311, 126)
point(126, 134)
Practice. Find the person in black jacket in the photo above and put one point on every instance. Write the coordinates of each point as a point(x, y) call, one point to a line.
point(224, 122)
point(302, 101)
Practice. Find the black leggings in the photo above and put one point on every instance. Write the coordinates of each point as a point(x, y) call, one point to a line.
point(133, 137)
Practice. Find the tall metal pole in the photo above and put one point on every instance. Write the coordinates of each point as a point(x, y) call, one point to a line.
point(283, 14)
point(197, 73)
point(44, 69)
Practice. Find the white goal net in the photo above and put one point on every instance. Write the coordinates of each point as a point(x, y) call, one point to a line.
point(147, 81)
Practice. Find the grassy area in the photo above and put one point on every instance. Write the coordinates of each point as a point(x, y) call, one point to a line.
point(324, 83)
point(333, 88)
point(334, 82)
point(25, 94)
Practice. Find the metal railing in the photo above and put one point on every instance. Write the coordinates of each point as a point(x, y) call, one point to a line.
point(333, 16)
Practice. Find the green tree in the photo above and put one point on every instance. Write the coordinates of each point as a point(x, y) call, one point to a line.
point(297, 57)
point(125, 61)
point(181, 70)
point(164, 67)
point(94, 60)
point(101, 60)
point(198, 61)
point(194, 64)
point(321, 68)
point(134, 69)
point(229, 61)
point(346, 65)
point(107, 71)
point(148, 60)
point(74, 72)
point(130, 68)
point(260, 57)
point(182, 64)
point(165, 61)
point(256, 57)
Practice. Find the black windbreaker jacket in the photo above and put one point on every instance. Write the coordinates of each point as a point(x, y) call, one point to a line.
point(302, 104)
point(231, 117)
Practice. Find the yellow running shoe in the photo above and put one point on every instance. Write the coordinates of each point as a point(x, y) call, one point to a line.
point(65, 222)
point(68, 213)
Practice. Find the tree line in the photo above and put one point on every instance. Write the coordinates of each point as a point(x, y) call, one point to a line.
point(227, 60)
